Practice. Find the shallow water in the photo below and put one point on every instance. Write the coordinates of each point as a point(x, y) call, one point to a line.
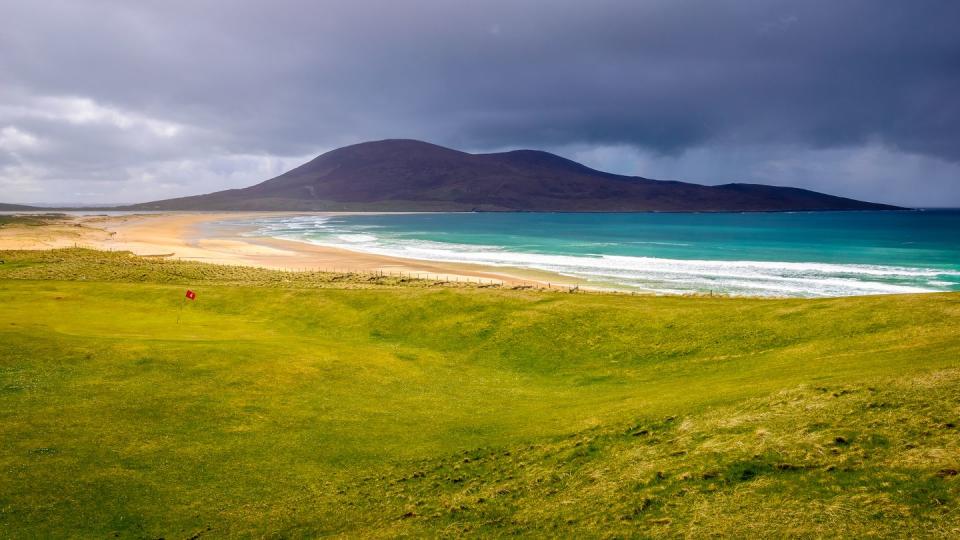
point(804, 254)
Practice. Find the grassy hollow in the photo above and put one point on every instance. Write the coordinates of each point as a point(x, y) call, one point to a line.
point(308, 404)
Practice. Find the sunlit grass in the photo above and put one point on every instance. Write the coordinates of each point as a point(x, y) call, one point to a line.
point(29, 220)
point(288, 404)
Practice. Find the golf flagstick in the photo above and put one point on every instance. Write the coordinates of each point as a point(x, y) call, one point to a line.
point(189, 296)
point(180, 311)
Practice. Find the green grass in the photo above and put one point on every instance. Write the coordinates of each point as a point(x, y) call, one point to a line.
point(30, 220)
point(299, 405)
point(77, 264)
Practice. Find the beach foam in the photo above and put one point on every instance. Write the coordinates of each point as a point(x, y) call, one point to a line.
point(660, 275)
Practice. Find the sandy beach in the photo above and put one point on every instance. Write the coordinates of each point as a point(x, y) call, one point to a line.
point(201, 237)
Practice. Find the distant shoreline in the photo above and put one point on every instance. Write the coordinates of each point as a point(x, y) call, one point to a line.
point(205, 237)
point(118, 210)
point(310, 241)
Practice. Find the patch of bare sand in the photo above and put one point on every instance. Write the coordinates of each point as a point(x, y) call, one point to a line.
point(196, 236)
point(55, 232)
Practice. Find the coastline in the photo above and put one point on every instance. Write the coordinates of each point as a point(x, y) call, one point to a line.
point(203, 236)
point(235, 238)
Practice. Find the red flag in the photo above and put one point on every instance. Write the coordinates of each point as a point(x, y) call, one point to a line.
point(191, 295)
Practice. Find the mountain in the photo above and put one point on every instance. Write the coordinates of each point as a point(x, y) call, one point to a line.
point(16, 208)
point(409, 175)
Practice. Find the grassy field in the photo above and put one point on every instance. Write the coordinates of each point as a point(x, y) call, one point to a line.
point(300, 405)
point(29, 220)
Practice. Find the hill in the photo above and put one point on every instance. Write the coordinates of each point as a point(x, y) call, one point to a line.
point(408, 175)
point(17, 208)
point(301, 405)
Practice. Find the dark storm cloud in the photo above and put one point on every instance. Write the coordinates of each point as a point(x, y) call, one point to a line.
point(193, 85)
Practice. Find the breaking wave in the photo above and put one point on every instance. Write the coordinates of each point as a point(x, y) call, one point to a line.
point(658, 275)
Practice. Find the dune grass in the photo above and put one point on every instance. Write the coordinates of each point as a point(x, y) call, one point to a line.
point(299, 405)
point(79, 264)
point(30, 220)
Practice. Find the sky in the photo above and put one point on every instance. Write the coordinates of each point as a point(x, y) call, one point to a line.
point(119, 101)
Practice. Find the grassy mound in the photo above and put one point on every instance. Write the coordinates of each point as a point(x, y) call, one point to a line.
point(79, 264)
point(30, 220)
point(305, 404)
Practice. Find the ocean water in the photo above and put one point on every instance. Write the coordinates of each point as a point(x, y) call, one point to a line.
point(803, 254)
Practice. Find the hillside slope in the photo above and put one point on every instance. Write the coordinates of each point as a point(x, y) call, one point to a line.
point(414, 175)
point(17, 208)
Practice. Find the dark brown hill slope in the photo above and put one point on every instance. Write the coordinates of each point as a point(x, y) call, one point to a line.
point(414, 175)
point(16, 207)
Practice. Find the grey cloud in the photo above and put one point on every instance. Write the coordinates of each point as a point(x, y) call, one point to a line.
point(873, 171)
point(666, 78)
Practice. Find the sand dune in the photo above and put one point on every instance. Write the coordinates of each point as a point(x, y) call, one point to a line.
point(202, 237)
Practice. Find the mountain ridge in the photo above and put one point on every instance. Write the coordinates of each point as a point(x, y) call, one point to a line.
point(4, 207)
point(411, 175)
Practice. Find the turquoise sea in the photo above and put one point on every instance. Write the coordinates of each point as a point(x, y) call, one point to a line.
point(805, 254)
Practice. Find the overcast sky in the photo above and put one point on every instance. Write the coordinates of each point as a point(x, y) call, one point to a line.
point(126, 101)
